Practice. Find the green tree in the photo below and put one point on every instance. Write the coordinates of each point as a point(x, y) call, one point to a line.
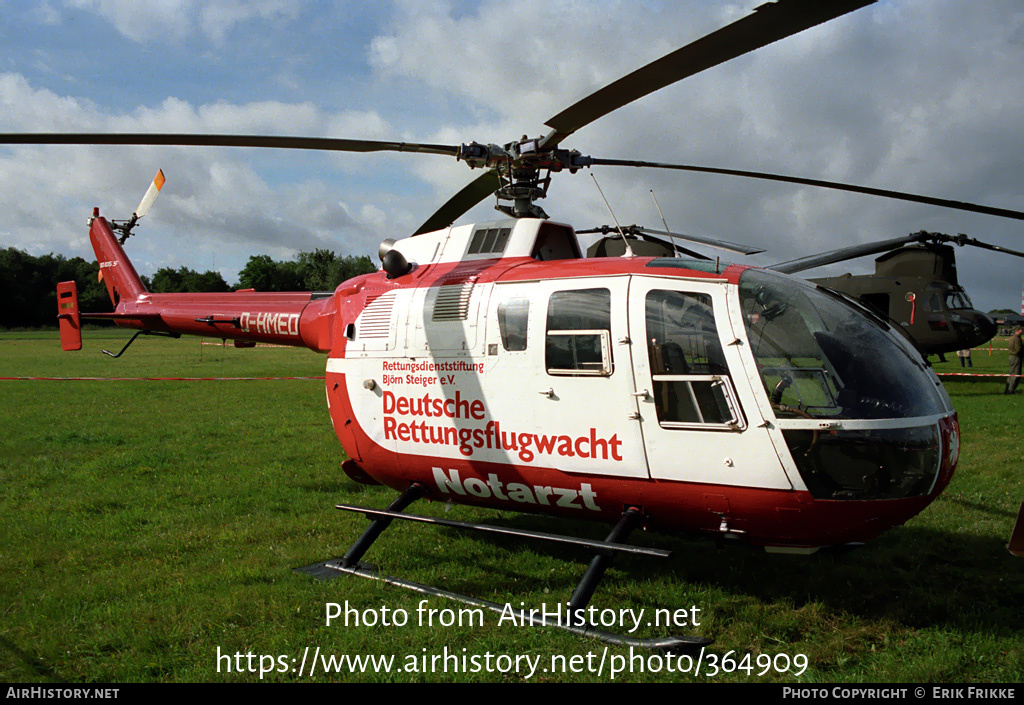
point(322, 270)
point(28, 287)
point(319, 270)
point(183, 279)
point(352, 266)
point(315, 268)
point(265, 274)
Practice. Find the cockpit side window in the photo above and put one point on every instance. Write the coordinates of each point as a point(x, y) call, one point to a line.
point(578, 340)
point(688, 370)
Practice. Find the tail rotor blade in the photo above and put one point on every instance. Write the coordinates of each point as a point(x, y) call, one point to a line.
point(151, 193)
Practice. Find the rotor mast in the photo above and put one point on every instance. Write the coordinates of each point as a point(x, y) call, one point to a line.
point(524, 171)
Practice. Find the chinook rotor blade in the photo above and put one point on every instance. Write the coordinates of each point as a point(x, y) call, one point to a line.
point(709, 241)
point(769, 23)
point(649, 233)
point(963, 240)
point(329, 144)
point(673, 247)
point(810, 262)
point(475, 191)
point(836, 185)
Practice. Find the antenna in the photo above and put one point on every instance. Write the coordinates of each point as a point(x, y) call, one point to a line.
point(629, 250)
point(675, 250)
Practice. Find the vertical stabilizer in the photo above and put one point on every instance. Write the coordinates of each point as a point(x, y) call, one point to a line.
point(116, 270)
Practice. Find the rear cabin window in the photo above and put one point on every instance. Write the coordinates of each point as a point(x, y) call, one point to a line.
point(578, 340)
point(513, 318)
point(688, 370)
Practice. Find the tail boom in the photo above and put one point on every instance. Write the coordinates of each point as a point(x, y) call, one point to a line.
point(292, 318)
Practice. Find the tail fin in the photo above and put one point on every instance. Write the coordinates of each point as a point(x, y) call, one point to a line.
point(116, 270)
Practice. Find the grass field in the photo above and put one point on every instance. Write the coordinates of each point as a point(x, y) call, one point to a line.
point(148, 527)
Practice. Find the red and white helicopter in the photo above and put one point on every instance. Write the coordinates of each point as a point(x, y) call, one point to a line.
point(492, 364)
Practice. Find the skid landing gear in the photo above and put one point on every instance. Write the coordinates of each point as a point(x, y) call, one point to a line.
point(572, 618)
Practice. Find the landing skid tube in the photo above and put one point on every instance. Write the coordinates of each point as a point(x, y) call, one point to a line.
point(574, 617)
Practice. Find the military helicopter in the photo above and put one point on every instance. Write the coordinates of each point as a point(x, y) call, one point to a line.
point(492, 364)
point(915, 285)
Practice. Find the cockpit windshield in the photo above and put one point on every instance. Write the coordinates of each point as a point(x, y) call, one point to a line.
point(821, 357)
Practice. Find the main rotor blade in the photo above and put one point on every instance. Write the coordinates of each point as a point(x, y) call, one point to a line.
point(884, 193)
point(475, 191)
point(769, 23)
point(819, 260)
point(193, 140)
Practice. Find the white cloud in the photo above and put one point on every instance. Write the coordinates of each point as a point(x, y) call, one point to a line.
point(915, 95)
point(214, 197)
point(45, 13)
point(217, 18)
point(140, 22)
point(177, 20)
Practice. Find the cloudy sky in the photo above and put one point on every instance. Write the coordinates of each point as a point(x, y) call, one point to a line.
point(925, 96)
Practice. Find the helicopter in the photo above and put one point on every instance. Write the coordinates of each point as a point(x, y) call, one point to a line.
point(915, 281)
point(492, 364)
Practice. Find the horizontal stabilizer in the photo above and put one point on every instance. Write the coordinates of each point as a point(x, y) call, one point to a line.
point(141, 317)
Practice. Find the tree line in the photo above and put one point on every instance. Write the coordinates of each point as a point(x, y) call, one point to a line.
point(28, 283)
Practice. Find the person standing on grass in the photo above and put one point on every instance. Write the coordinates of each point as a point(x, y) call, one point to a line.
point(965, 357)
point(1015, 352)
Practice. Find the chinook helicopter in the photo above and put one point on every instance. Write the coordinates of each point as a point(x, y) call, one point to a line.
point(492, 364)
point(915, 284)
